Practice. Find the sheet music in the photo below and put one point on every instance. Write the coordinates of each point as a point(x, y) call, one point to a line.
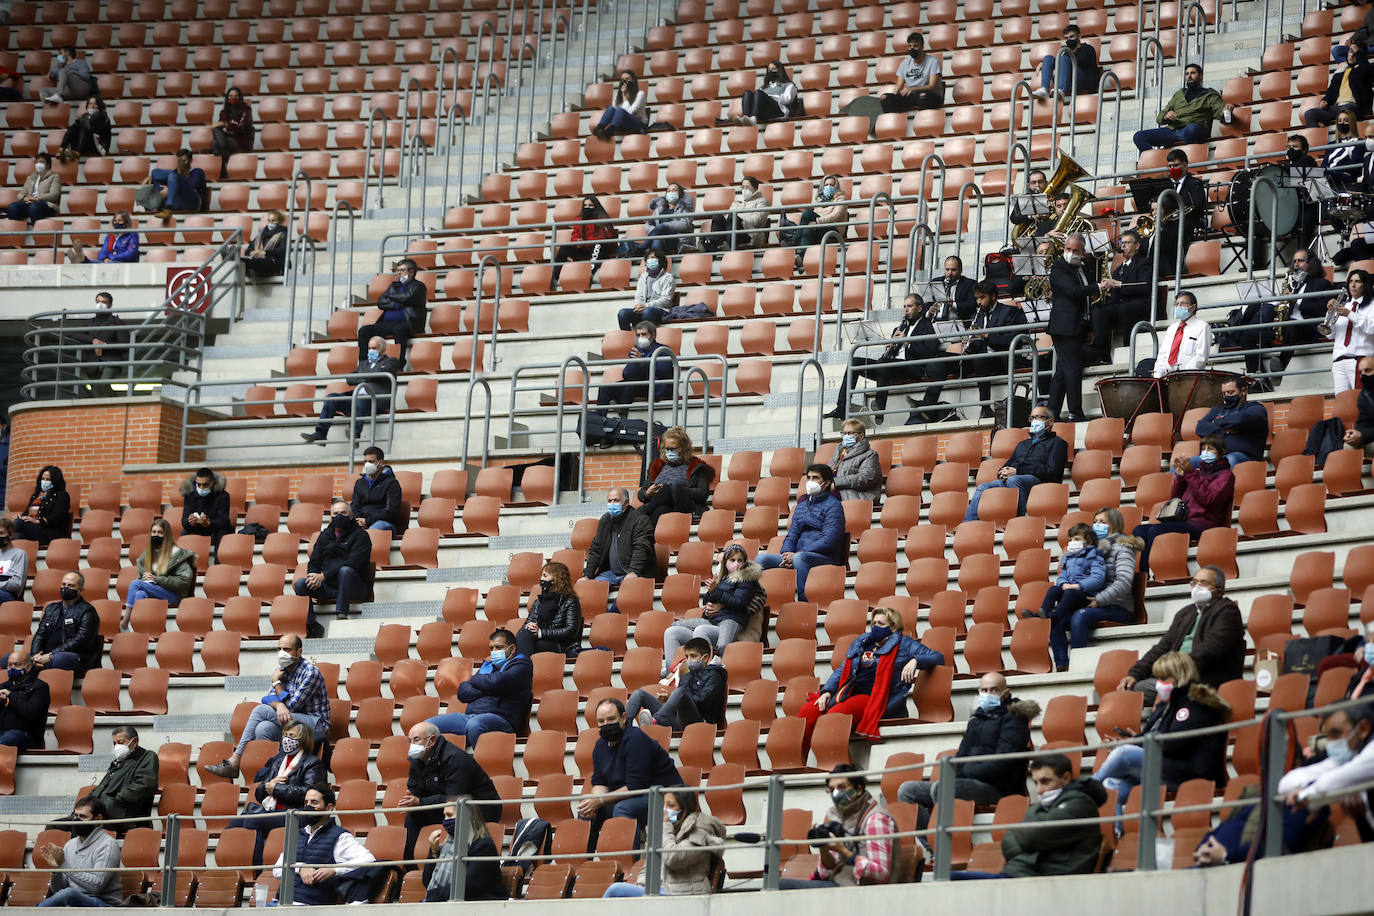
point(1033, 204)
point(1029, 264)
point(1099, 241)
point(1253, 290)
point(862, 330)
point(931, 290)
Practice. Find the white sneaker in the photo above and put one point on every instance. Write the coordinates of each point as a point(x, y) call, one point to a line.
point(55, 98)
point(644, 718)
point(1042, 93)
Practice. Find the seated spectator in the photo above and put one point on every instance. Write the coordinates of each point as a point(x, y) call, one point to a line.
point(554, 620)
point(403, 310)
point(670, 220)
point(1344, 157)
point(1230, 841)
point(205, 506)
point(165, 571)
point(694, 692)
point(590, 240)
point(828, 209)
point(733, 609)
point(1207, 492)
point(373, 393)
point(119, 247)
point(1357, 654)
point(89, 134)
point(916, 322)
point(14, 564)
point(857, 469)
point(107, 338)
point(1349, 761)
point(1188, 115)
point(41, 194)
point(130, 783)
point(746, 225)
point(863, 861)
point(1351, 89)
point(1000, 724)
point(634, 384)
point(1362, 436)
point(182, 189)
point(815, 533)
point(340, 566)
point(655, 293)
point(984, 338)
point(1071, 849)
point(688, 868)
point(333, 852)
point(440, 770)
point(376, 499)
point(623, 544)
point(281, 783)
point(918, 83)
point(11, 85)
point(1082, 574)
point(629, 111)
point(68, 634)
point(73, 77)
point(679, 481)
point(872, 684)
point(265, 256)
point(1352, 329)
point(483, 878)
point(298, 694)
point(1185, 703)
point(24, 700)
point(49, 514)
point(497, 696)
point(234, 131)
point(1188, 344)
point(91, 847)
point(624, 758)
point(1076, 63)
point(1208, 630)
point(1115, 601)
point(1039, 458)
point(1243, 425)
point(776, 101)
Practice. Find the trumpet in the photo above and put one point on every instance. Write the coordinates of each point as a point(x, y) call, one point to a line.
point(1329, 322)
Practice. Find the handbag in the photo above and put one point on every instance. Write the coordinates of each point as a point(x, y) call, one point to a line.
point(1173, 510)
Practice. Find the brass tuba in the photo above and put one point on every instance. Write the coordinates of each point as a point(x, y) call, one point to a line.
point(1065, 174)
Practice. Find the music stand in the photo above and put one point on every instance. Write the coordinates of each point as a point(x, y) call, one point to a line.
point(1253, 290)
point(1028, 264)
point(1033, 205)
point(1145, 191)
point(1313, 182)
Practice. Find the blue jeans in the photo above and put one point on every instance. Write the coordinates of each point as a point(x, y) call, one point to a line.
point(975, 875)
point(141, 589)
point(628, 318)
point(263, 726)
point(1060, 604)
point(67, 661)
point(182, 192)
point(615, 580)
point(70, 896)
point(654, 239)
point(624, 889)
point(341, 404)
point(31, 213)
point(15, 737)
point(1232, 458)
point(802, 884)
point(1163, 137)
point(7, 596)
point(1083, 622)
point(1066, 76)
point(380, 525)
point(1022, 482)
point(1121, 771)
point(802, 561)
point(471, 726)
point(619, 121)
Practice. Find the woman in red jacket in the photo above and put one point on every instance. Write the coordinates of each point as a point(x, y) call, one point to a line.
point(588, 239)
point(1208, 492)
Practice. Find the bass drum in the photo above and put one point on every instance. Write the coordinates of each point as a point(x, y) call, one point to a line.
point(1288, 204)
point(1188, 389)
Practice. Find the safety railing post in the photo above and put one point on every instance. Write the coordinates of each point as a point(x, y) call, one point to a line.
point(653, 841)
point(882, 197)
point(475, 380)
point(1275, 732)
point(1108, 77)
point(1151, 771)
point(807, 363)
point(772, 831)
point(1150, 49)
point(286, 890)
point(964, 189)
point(334, 232)
point(1169, 195)
point(560, 409)
point(171, 850)
point(479, 288)
point(1012, 150)
point(377, 116)
point(944, 818)
point(462, 839)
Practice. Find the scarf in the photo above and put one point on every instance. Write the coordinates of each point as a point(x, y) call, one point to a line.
point(867, 726)
point(287, 765)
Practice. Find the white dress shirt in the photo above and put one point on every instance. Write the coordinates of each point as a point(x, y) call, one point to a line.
point(1193, 354)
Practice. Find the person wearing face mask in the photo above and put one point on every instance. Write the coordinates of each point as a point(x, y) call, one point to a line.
point(440, 770)
point(1187, 343)
point(40, 195)
point(165, 571)
point(1208, 629)
point(130, 784)
point(629, 111)
point(624, 757)
point(107, 339)
point(1115, 601)
point(918, 84)
point(554, 622)
point(1188, 115)
point(1352, 329)
point(68, 634)
point(858, 471)
point(1242, 424)
point(904, 362)
point(1129, 303)
point(853, 859)
point(205, 506)
point(1039, 458)
point(589, 240)
point(622, 546)
point(1000, 724)
point(1303, 168)
point(374, 381)
point(1071, 289)
point(73, 76)
point(1351, 89)
point(403, 310)
point(687, 867)
point(992, 328)
point(281, 783)
point(14, 564)
point(24, 699)
point(776, 101)
point(1349, 761)
point(815, 533)
point(678, 480)
point(634, 384)
point(90, 849)
point(298, 694)
point(1344, 158)
point(1271, 348)
point(1207, 491)
point(498, 695)
point(265, 256)
point(49, 512)
point(483, 879)
point(1082, 573)
point(745, 226)
point(1070, 849)
point(1193, 193)
point(89, 134)
point(669, 222)
point(655, 293)
point(119, 247)
point(328, 853)
point(1076, 62)
point(376, 499)
point(734, 608)
point(829, 209)
point(234, 131)
point(1362, 435)
point(1186, 702)
point(694, 691)
point(340, 567)
point(182, 189)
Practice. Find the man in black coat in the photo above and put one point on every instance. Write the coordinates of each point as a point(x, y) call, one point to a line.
point(374, 392)
point(1351, 89)
point(403, 310)
point(128, 787)
point(1362, 436)
point(1070, 290)
point(986, 339)
point(68, 634)
point(1128, 303)
point(1242, 423)
point(958, 288)
point(106, 334)
point(439, 770)
point(915, 322)
point(339, 567)
point(205, 506)
point(23, 703)
point(999, 725)
point(1209, 628)
point(623, 544)
point(1039, 458)
point(1194, 194)
point(377, 493)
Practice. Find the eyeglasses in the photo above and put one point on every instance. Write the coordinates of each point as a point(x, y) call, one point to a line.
point(1206, 583)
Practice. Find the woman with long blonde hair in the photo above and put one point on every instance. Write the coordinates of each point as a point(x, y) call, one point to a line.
point(165, 571)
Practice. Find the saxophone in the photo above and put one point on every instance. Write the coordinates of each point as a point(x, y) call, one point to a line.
point(1283, 308)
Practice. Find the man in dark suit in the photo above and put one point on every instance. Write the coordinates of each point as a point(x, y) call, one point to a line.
point(403, 310)
point(915, 323)
point(1305, 278)
point(1344, 159)
point(958, 288)
point(1127, 304)
point(1035, 191)
point(1070, 290)
point(1306, 169)
point(1351, 89)
point(1194, 194)
point(985, 339)
point(1362, 436)
point(374, 392)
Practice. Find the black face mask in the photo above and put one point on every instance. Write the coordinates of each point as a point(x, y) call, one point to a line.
point(1071, 42)
point(612, 731)
point(309, 817)
point(1294, 155)
point(1230, 400)
point(155, 541)
point(81, 829)
point(916, 55)
point(1368, 378)
point(341, 524)
point(121, 226)
point(1342, 128)
point(68, 593)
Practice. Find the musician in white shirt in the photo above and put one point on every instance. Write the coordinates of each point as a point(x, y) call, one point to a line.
point(1187, 343)
point(1351, 321)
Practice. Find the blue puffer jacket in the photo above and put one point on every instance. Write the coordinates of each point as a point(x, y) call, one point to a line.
point(505, 691)
point(907, 649)
point(817, 526)
point(1087, 569)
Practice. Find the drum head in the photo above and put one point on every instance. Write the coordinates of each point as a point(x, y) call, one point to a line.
point(1201, 388)
point(1286, 217)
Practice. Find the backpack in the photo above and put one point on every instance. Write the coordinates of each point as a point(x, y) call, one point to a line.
point(533, 837)
point(1013, 412)
point(1324, 438)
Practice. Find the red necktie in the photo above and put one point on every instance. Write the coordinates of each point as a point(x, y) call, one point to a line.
point(1350, 325)
point(1177, 345)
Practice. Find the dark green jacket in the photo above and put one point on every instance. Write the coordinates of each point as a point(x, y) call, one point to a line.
point(1203, 110)
point(1068, 850)
point(181, 572)
point(127, 788)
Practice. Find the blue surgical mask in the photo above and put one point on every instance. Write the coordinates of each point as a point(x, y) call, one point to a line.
point(672, 814)
point(202, 491)
point(1369, 653)
point(1100, 529)
point(670, 455)
point(987, 702)
point(373, 356)
point(651, 264)
point(614, 509)
point(1208, 457)
point(848, 440)
point(827, 192)
point(45, 485)
point(498, 656)
point(1181, 312)
point(672, 197)
point(1037, 427)
point(16, 673)
point(1339, 752)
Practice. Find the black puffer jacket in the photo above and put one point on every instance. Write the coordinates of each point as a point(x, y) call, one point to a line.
point(1199, 757)
point(215, 507)
point(559, 618)
point(736, 594)
point(332, 552)
point(290, 793)
point(1004, 730)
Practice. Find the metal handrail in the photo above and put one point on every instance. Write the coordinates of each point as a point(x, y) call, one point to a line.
point(334, 304)
point(842, 250)
point(1108, 76)
point(473, 382)
point(373, 118)
point(1142, 82)
point(1012, 150)
point(451, 118)
point(479, 287)
point(810, 362)
point(959, 245)
point(1191, 29)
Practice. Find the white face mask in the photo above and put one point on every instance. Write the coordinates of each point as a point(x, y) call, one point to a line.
point(284, 658)
point(1074, 546)
point(369, 468)
point(1073, 258)
point(643, 343)
point(1201, 595)
point(120, 751)
point(813, 487)
point(415, 751)
point(40, 167)
point(1050, 796)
